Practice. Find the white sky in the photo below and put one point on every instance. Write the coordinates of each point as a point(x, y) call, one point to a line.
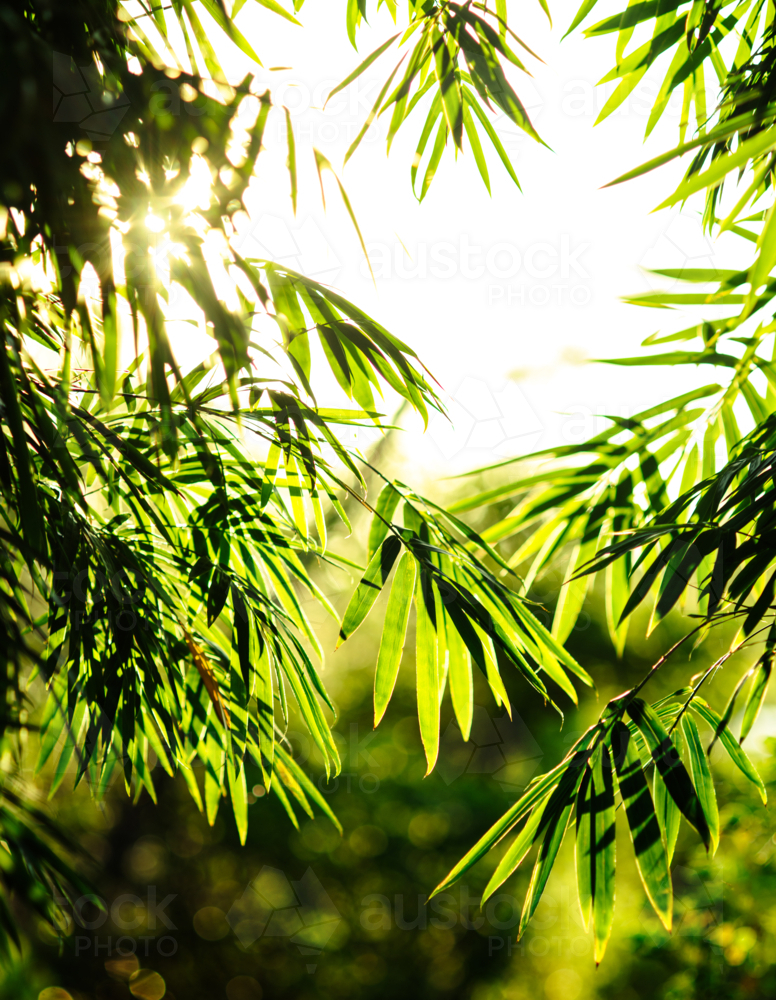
point(506, 350)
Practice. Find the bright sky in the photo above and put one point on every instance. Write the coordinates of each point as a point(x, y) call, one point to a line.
point(503, 297)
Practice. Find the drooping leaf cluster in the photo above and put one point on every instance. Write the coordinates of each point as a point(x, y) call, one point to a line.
point(160, 524)
point(454, 67)
point(672, 506)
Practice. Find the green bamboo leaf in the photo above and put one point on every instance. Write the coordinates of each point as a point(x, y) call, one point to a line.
point(723, 733)
point(583, 854)
point(307, 787)
point(435, 159)
point(50, 730)
point(272, 5)
point(668, 814)
point(385, 508)
point(277, 788)
point(321, 164)
point(489, 665)
point(544, 639)
point(473, 105)
point(548, 821)
point(574, 590)
point(721, 166)
point(434, 114)
point(760, 271)
point(362, 67)
point(669, 766)
point(111, 348)
point(730, 127)
point(501, 14)
point(188, 776)
point(556, 827)
point(517, 850)
point(616, 590)
point(476, 145)
point(353, 19)
point(603, 850)
point(623, 91)
point(651, 858)
point(756, 696)
point(488, 76)
point(546, 8)
point(239, 797)
point(426, 668)
point(368, 590)
point(536, 793)
point(441, 643)
point(265, 707)
point(29, 508)
point(212, 795)
point(271, 467)
point(217, 593)
point(320, 518)
point(291, 160)
point(449, 86)
point(580, 15)
point(461, 681)
point(701, 776)
point(394, 632)
point(295, 485)
point(375, 110)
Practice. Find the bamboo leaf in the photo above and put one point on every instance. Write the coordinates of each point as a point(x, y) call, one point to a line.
point(583, 854)
point(723, 733)
point(702, 779)
point(275, 7)
point(651, 857)
point(756, 696)
point(669, 766)
point(536, 793)
point(548, 852)
point(517, 850)
point(603, 850)
point(368, 590)
point(385, 508)
point(291, 160)
point(361, 67)
point(426, 668)
point(461, 681)
point(668, 814)
point(394, 632)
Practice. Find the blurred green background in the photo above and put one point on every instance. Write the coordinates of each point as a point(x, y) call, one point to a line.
point(303, 913)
